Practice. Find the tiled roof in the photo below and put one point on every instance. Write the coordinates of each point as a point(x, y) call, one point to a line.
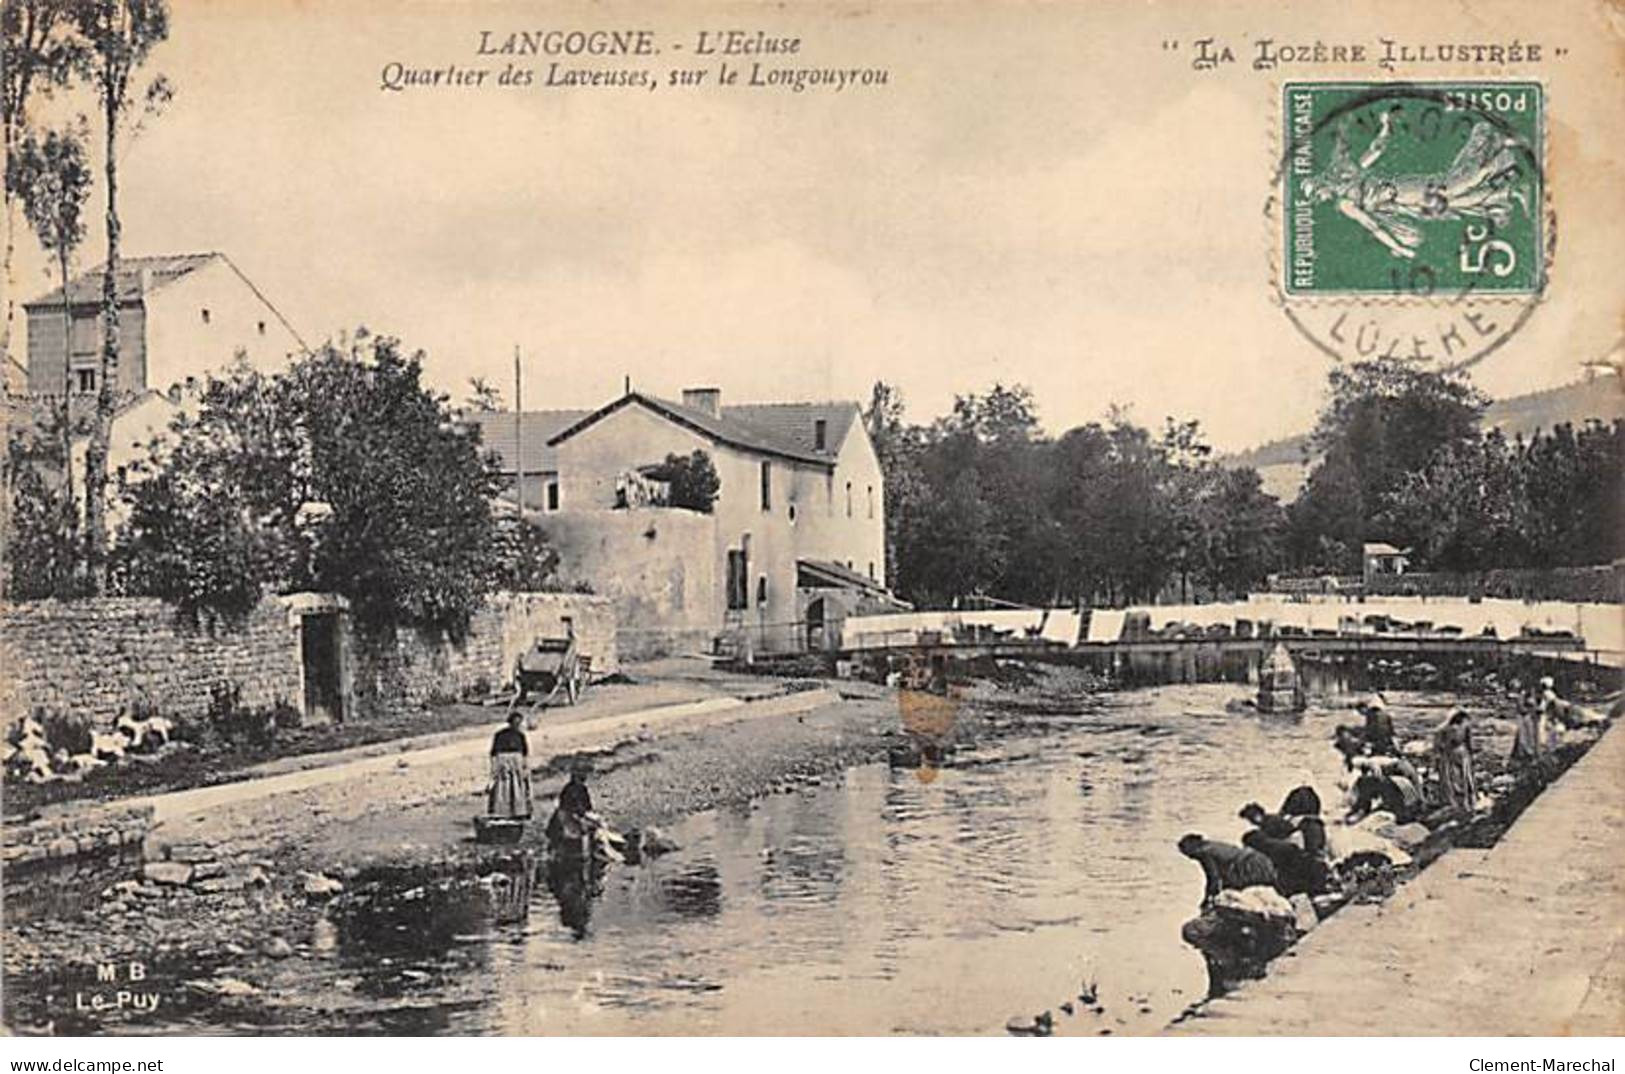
point(539, 426)
point(796, 423)
point(828, 570)
point(137, 276)
point(729, 428)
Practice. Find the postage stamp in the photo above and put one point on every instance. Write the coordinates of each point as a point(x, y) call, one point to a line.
point(1417, 189)
point(1411, 220)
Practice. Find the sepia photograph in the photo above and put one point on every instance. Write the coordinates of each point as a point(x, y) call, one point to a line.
point(716, 518)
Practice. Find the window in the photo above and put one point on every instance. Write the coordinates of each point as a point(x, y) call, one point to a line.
point(820, 434)
point(205, 315)
point(849, 499)
point(871, 501)
point(552, 495)
point(871, 570)
point(87, 380)
point(738, 573)
point(85, 337)
point(767, 485)
point(761, 591)
point(792, 514)
point(262, 328)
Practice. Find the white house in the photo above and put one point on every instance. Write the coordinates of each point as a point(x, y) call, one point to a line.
point(181, 316)
point(794, 542)
point(136, 424)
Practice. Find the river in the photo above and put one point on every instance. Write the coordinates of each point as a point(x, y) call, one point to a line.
point(887, 901)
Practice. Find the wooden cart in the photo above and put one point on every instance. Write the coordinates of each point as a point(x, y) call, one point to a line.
point(548, 666)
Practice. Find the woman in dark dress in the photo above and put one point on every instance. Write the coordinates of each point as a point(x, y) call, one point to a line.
point(509, 795)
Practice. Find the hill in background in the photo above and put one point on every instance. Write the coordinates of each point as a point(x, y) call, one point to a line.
point(1284, 466)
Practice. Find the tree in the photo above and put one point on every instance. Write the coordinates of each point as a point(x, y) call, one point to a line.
point(1575, 482)
point(342, 475)
point(43, 556)
point(897, 448)
point(982, 502)
point(1244, 528)
point(38, 52)
point(52, 179)
point(119, 35)
point(1190, 482)
point(1384, 419)
point(483, 396)
point(693, 480)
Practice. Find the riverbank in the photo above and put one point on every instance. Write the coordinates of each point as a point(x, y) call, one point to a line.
point(186, 765)
point(244, 959)
point(216, 956)
point(1524, 937)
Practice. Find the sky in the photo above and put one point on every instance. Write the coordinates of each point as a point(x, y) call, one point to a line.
point(1040, 194)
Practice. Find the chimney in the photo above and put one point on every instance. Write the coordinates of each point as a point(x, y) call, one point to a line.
point(708, 400)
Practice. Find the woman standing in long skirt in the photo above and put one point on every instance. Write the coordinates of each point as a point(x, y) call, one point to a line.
point(509, 795)
point(1453, 756)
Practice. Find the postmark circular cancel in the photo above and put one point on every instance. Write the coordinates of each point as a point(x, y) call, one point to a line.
point(1411, 220)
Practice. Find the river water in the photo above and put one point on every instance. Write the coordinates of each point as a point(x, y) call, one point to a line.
point(886, 901)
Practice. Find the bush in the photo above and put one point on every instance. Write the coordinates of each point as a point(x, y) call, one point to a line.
point(285, 716)
point(693, 479)
point(233, 723)
point(65, 731)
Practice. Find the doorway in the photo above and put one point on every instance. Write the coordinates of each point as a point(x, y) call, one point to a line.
point(320, 644)
point(815, 625)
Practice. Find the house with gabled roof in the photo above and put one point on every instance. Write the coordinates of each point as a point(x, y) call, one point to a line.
point(794, 542)
point(181, 316)
point(529, 464)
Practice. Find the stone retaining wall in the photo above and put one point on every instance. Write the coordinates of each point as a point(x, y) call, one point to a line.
point(58, 839)
point(410, 670)
point(97, 658)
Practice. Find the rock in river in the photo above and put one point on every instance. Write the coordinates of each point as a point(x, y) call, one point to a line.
point(317, 886)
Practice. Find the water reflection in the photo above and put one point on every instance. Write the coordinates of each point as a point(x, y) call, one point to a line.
point(880, 903)
point(575, 884)
point(694, 892)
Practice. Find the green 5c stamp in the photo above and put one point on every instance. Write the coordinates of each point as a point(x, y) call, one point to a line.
point(1413, 188)
point(1421, 195)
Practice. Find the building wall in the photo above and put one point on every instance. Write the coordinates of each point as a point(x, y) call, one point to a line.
point(410, 670)
point(45, 347)
point(856, 540)
point(97, 657)
point(657, 565)
point(773, 538)
point(805, 517)
point(133, 429)
point(632, 436)
point(181, 343)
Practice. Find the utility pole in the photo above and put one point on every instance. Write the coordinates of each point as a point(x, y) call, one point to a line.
point(518, 436)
